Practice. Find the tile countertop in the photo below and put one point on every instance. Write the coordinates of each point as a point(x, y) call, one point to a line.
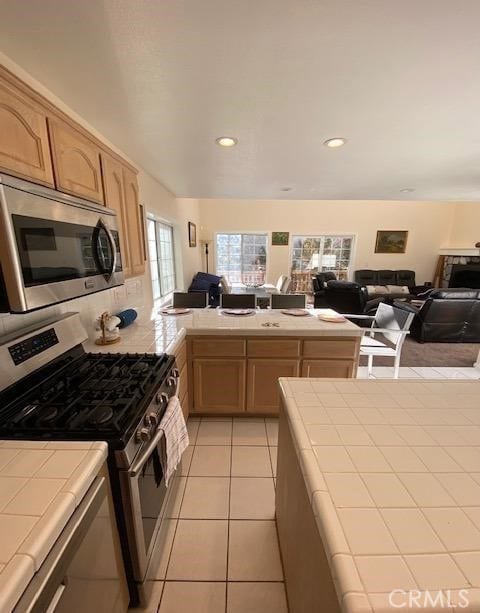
point(41, 484)
point(392, 469)
point(164, 332)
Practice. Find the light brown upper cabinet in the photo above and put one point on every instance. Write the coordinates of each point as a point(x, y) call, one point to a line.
point(24, 147)
point(112, 171)
point(76, 161)
point(135, 224)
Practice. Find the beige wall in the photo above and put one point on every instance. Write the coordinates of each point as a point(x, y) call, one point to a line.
point(157, 199)
point(428, 223)
point(465, 231)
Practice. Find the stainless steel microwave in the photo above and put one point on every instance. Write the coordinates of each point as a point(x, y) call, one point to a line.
point(53, 247)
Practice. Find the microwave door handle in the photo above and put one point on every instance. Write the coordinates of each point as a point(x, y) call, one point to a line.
point(113, 247)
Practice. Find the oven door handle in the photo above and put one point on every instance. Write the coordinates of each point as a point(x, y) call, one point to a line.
point(140, 463)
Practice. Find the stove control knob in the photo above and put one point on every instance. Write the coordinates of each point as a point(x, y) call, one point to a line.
point(151, 419)
point(143, 435)
point(175, 373)
point(171, 381)
point(161, 398)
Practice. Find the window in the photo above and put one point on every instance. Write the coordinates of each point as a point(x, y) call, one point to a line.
point(311, 254)
point(242, 258)
point(162, 262)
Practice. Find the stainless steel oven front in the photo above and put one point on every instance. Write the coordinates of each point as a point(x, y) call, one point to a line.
point(54, 247)
point(144, 498)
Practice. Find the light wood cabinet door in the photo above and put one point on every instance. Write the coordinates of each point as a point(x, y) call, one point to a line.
point(135, 225)
point(262, 383)
point(24, 146)
point(114, 189)
point(328, 368)
point(76, 161)
point(219, 385)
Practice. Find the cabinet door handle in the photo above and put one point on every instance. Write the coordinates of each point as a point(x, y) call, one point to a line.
point(56, 598)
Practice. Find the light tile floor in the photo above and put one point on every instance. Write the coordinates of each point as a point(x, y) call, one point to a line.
point(218, 550)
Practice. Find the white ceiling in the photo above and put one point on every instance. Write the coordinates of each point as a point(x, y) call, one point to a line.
point(400, 79)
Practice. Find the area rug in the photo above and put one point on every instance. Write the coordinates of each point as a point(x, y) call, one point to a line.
point(432, 354)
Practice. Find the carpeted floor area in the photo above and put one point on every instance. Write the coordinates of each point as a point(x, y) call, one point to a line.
point(432, 354)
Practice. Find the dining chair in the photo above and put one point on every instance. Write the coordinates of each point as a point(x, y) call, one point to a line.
point(190, 300)
point(394, 325)
point(238, 301)
point(289, 301)
point(286, 285)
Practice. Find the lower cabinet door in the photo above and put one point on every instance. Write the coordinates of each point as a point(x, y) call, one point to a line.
point(219, 385)
point(262, 383)
point(328, 368)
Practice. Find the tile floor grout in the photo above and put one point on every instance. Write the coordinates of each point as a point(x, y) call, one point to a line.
point(267, 445)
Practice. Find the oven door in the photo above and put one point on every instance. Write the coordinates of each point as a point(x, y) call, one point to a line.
point(144, 497)
point(57, 247)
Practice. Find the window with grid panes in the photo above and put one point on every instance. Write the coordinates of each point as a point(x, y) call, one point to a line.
point(312, 254)
point(161, 255)
point(241, 258)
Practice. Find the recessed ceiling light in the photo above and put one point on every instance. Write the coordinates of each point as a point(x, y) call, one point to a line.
point(226, 141)
point(407, 190)
point(286, 189)
point(335, 142)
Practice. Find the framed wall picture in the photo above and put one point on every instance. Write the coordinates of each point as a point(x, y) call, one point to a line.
point(391, 241)
point(192, 234)
point(280, 239)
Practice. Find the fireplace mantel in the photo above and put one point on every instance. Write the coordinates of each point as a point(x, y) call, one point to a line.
point(459, 251)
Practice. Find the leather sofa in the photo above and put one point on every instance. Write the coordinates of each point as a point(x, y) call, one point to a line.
point(385, 277)
point(447, 316)
point(349, 297)
point(389, 284)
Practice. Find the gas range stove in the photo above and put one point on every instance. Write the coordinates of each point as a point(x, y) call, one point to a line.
point(119, 397)
point(50, 389)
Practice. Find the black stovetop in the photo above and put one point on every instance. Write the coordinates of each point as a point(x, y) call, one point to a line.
point(84, 396)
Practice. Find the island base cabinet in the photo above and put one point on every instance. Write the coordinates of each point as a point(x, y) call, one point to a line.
point(236, 374)
point(219, 385)
point(263, 394)
point(328, 368)
point(308, 580)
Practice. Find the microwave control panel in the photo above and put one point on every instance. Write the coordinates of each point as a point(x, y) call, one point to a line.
point(34, 345)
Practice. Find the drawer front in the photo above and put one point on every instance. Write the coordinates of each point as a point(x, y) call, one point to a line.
point(181, 356)
point(273, 348)
point(328, 368)
point(329, 348)
point(218, 347)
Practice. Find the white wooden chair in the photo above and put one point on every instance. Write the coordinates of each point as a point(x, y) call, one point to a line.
point(277, 288)
point(394, 325)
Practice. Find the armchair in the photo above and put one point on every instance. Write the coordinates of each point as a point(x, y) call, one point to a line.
point(319, 283)
point(393, 324)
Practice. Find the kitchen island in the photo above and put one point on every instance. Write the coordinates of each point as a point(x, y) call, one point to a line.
point(378, 494)
point(230, 365)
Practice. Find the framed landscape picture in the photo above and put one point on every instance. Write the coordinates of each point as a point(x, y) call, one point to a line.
point(192, 234)
point(280, 238)
point(391, 241)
